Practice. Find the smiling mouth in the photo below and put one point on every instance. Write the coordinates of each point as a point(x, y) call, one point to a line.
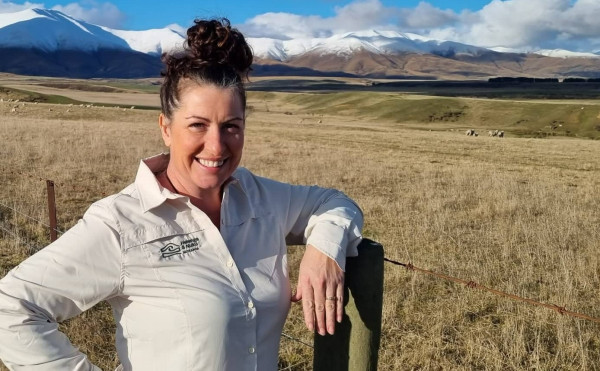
point(209, 163)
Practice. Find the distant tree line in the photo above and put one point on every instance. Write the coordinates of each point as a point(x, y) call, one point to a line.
point(539, 80)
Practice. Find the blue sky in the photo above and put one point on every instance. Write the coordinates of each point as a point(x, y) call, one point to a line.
point(144, 14)
point(517, 24)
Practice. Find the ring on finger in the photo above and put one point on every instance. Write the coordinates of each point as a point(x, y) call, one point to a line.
point(331, 298)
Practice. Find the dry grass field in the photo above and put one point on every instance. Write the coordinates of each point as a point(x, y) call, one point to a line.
point(517, 214)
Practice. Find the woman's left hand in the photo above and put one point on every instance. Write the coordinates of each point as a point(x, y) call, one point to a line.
point(321, 289)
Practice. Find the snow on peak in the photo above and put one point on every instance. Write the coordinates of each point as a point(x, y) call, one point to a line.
point(560, 53)
point(51, 30)
point(374, 41)
point(154, 41)
point(7, 19)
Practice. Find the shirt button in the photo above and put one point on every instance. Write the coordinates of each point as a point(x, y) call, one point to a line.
point(251, 350)
point(230, 262)
point(250, 304)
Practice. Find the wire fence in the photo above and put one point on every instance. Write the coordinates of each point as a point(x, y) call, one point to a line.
point(409, 266)
point(30, 218)
point(475, 285)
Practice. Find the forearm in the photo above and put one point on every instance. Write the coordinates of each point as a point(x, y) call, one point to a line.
point(58, 282)
point(29, 337)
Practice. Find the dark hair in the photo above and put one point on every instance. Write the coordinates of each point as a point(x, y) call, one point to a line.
point(214, 53)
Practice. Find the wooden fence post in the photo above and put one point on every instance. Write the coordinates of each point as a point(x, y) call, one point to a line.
point(355, 343)
point(51, 210)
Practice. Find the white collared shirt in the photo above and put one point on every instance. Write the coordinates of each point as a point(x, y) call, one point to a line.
point(185, 295)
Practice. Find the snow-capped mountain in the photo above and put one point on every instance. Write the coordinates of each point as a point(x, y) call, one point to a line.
point(51, 30)
point(154, 41)
point(48, 42)
point(378, 42)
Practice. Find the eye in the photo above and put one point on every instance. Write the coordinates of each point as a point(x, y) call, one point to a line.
point(197, 126)
point(232, 127)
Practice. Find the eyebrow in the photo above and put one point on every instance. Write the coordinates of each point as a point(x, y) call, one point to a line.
point(205, 119)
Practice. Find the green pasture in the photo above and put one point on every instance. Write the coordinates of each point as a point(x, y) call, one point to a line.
point(516, 117)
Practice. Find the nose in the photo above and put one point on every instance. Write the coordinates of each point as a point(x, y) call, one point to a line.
point(213, 141)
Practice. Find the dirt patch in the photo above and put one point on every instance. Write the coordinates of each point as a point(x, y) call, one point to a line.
point(83, 87)
point(133, 99)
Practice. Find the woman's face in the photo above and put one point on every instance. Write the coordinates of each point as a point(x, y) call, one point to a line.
point(206, 136)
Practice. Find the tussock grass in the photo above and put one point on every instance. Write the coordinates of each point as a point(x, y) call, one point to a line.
point(517, 214)
point(523, 118)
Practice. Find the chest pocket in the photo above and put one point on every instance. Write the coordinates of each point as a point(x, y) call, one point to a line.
point(174, 255)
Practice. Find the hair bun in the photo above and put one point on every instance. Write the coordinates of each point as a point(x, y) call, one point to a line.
point(216, 42)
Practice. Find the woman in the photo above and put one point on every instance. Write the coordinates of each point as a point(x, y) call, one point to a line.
point(192, 255)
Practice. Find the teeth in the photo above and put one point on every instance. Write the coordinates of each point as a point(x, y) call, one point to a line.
point(208, 163)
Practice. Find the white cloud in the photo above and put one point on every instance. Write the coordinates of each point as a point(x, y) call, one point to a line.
point(359, 15)
point(518, 24)
point(425, 16)
point(103, 14)
point(8, 7)
point(177, 28)
point(529, 24)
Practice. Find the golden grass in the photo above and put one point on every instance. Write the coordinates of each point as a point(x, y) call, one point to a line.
point(519, 215)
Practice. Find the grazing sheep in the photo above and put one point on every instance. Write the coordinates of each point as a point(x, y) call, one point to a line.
point(500, 134)
point(470, 132)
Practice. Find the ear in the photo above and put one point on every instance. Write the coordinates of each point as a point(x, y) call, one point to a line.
point(165, 129)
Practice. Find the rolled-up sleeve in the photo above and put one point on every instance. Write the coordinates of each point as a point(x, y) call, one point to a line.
point(335, 228)
point(322, 217)
point(60, 281)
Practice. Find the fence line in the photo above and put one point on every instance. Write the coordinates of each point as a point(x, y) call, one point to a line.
point(291, 367)
point(296, 340)
point(4, 229)
point(30, 217)
point(475, 285)
point(471, 284)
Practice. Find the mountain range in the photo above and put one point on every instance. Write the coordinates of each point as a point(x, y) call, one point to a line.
point(50, 43)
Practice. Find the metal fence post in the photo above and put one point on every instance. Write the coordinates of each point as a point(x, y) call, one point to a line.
point(355, 343)
point(51, 210)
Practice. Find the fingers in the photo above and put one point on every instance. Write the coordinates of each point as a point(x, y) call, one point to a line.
point(330, 311)
point(308, 307)
point(339, 315)
point(320, 314)
point(321, 311)
point(321, 289)
point(297, 296)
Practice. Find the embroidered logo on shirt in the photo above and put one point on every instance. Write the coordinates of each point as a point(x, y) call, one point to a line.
point(185, 247)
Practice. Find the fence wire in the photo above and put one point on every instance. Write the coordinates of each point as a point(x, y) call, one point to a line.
point(296, 340)
point(16, 236)
point(30, 217)
point(475, 285)
point(409, 266)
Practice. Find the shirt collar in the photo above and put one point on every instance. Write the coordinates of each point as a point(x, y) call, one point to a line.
point(152, 194)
